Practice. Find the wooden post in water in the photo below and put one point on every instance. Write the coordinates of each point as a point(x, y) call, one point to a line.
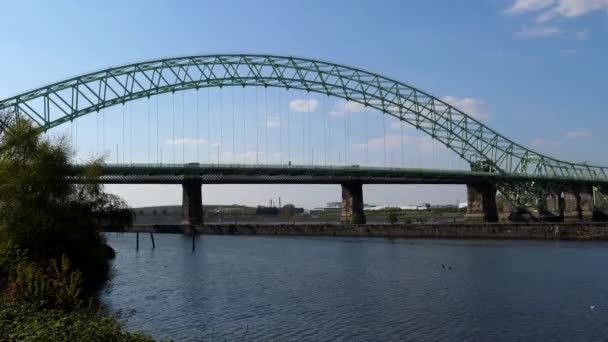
point(193, 241)
point(136, 241)
point(152, 238)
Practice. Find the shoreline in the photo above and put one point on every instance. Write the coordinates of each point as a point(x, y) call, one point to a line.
point(582, 231)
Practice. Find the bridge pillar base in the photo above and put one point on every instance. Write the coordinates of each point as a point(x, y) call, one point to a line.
point(192, 202)
point(585, 202)
point(578, 203)
point(550, 211)
point(352, 203)
point(481, 203)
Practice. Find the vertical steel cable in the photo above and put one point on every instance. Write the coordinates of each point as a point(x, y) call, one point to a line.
point(345, 133)
point(123, 133)
point(183, 129)
point(401, 141)
point(257, 124)
point(366, 138)
point(304, 131)
point(131, 133)
point(157, 135)
point(244, 127)
point(266, 123)
point(148, 132)
point(384, 135)
point(221, 145)
point(173, 126)
point(324, 116)
point(209, 125)
point(288, 133)
point(233, 131)
point(198, 128)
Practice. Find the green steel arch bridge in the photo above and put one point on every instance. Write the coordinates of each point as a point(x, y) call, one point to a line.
point(526, 178)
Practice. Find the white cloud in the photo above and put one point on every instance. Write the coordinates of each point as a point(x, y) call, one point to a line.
point(582, 35)
point(578, 134)
point(521, 6)
point(273, 122)
point(552, 9)
point(422, 143)
point(347, 107)
point(303, 106)
point(473, 107)
point(567, 52)
point(538, 31)
point(544, 144)
point(572, 8)
point(187, 142)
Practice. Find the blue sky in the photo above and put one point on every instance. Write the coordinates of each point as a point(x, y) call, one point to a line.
point(535, 70)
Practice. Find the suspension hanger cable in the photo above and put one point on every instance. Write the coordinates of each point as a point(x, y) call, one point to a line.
point(266, 123)
point(233, 130)
point(148, 132)
point(279, 112)
point(173, 126)
point(288, 133)
point(209, 125)
point(366, 137)
point(131, 133)
point(183, 129)
point(123, 133)
point(221, 111)
point(402, 143)
point(345, 133)
point(244, 126)
point(304, 131)
point(257, 124)
point(324, 117)
point(198, 129)
point(384, 135)
point(157, 136)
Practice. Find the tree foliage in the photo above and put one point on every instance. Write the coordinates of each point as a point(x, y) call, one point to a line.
point(43, 213)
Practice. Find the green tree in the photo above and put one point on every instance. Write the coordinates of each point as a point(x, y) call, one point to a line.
point(43, 213)
point(392, 217)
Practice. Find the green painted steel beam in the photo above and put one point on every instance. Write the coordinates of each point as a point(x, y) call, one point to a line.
point(61, 102)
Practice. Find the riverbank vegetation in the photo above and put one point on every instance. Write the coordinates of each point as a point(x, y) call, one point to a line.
point(53, 257)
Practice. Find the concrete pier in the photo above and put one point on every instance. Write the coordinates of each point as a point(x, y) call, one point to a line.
point(578, 203)
point(550, 211)
point(585, 202)
point(352, 203)
point(192, 202)
point(481, 203)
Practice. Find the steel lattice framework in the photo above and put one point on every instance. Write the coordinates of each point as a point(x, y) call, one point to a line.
point(483, 147)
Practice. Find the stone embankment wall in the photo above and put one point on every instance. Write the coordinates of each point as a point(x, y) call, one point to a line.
point(528, 231)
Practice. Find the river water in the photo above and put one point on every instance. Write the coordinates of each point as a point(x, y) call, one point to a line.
point(360, 289)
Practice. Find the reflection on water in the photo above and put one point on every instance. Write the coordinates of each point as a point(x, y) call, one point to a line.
point(324, 289)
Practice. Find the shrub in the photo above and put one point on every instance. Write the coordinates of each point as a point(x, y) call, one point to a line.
point(392, 217)
point(24, 322)
point(42, 213)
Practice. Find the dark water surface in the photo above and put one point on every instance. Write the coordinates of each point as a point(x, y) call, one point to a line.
point(326, 289)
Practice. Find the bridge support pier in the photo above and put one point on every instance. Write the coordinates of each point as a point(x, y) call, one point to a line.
point(192, 202)
point(352, 203)
point(481, 203)
point(551, 211)
point(578, 203)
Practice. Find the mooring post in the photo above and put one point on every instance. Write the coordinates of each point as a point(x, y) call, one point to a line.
point(152, 238)
point(136, 241)
point(193, 241)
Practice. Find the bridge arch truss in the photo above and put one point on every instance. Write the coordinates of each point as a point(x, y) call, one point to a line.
point(484, 148)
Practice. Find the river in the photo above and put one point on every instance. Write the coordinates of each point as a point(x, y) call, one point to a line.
point(359, 289)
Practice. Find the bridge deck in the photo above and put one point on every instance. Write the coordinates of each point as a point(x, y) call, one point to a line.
point(292, 174)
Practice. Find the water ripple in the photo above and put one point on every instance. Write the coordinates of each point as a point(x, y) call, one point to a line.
point(341, 289)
